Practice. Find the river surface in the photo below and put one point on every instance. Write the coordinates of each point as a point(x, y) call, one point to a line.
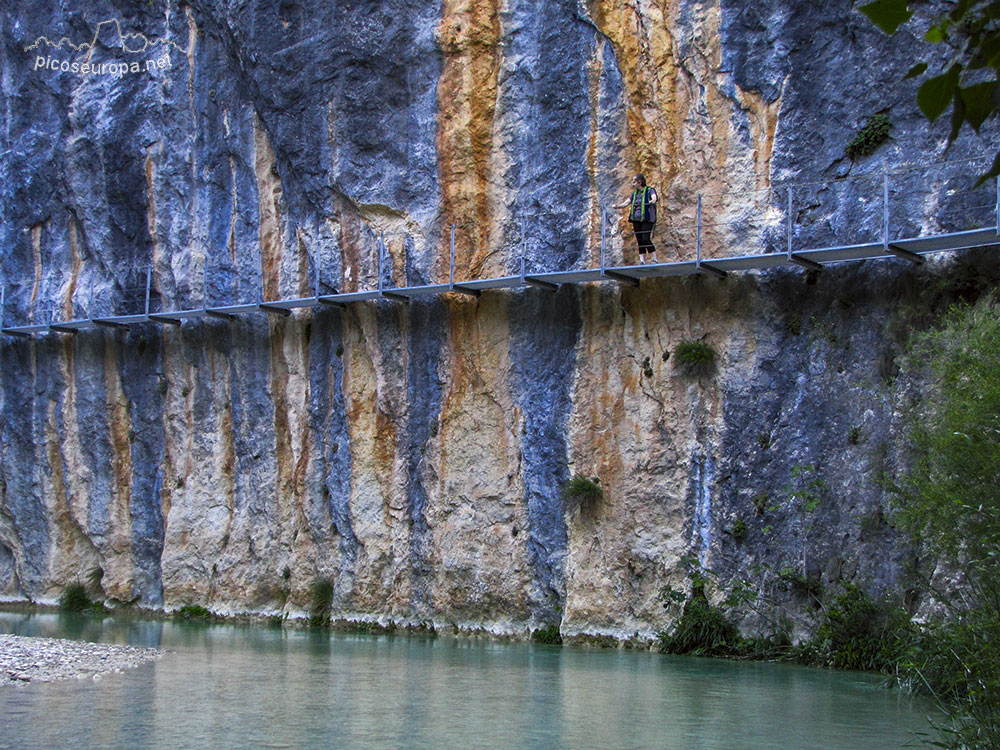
point(255, 687)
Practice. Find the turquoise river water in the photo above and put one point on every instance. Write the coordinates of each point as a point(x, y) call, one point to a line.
point(255, 687)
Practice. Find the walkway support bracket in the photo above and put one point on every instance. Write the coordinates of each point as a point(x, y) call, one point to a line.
point(903, 254)
point(810, 265)
point(265, 307)
point(716, 272)
point(219, 315)
point(395, 296)
point(540, 283)
point(165, 319)
point(623, 278)
point(110, 324)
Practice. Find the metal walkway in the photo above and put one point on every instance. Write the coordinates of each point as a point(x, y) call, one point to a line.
point(910, 249)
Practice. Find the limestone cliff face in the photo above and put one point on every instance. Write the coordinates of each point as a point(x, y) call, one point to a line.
point(414, 453)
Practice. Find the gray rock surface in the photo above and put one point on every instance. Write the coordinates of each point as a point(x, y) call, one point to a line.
point(414, 454)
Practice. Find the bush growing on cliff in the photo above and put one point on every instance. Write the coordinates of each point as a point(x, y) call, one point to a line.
point(703, 629)
point(870, 137)
point(583, 491)
point(950, 501)
point(694, 358)
point(193, 613)
point(320, 602)
point(548, 635)
point(74, 598)
point(860, 633)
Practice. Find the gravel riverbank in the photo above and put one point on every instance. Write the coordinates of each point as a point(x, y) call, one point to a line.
point(24, 660)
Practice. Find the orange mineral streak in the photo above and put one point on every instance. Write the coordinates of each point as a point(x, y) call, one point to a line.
point(290, 392)
point(348, 225)
point(645, 49)
point(36, 254)
point(76, 265)
point(469, 36)
point(595, 68)
point(378, 498)
point(680, 119)
point(119, 562)
point(269, 192)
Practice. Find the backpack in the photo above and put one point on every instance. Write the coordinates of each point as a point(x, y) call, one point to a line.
point(650, 208)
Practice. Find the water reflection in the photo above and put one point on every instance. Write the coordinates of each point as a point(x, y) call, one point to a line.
point(260, 687)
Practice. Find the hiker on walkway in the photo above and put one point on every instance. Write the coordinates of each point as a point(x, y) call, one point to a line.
point(642, 214)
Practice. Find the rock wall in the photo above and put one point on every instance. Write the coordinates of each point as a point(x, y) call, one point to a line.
point(414, 454)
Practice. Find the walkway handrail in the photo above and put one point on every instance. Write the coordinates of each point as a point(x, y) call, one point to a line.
point(910, 247)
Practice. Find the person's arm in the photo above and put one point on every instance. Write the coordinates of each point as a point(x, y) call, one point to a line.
point(626, 204)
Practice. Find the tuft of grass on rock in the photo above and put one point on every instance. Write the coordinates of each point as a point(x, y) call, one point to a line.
point(320, 602)
point(193, 613)
point(694, 358)
point(74, 598)
point(582, 490)
point(548, 635)
point(874, 133)
point(738, 529)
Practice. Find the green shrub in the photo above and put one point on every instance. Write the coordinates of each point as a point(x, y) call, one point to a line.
point(956, 662)
point(583, 490)
point(74, 598)
point(694, 358)
point(193, 612)
point(702, 629)
point(860, 633)
point(874, 133)
point(94, 578)
point(548, 635)
point(320, 602)
point(950, 502)
point(738, 529)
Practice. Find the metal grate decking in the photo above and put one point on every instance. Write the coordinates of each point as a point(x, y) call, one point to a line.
point(911, 250)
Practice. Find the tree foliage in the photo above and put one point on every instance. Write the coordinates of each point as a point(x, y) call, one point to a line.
point(951, 497)
point(969, 81)
point(951, 501)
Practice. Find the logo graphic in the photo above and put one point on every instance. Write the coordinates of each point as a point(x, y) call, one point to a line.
point(134, 43)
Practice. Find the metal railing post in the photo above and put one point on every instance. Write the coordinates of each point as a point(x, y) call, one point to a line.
point(3, 298)
point(149, 278)
point(204, 286)
point(604, 223)
point(998, 204)
point(885, 209)
point(316, 272)
point(788, 222)
point(451, 267)
point(698, 240)
point(378, 249)
point(90, 301)
point(524, 241)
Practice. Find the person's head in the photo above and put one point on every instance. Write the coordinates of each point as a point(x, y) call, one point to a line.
point(639, 181)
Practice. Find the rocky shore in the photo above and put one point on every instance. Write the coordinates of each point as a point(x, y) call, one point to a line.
point(24, 660)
